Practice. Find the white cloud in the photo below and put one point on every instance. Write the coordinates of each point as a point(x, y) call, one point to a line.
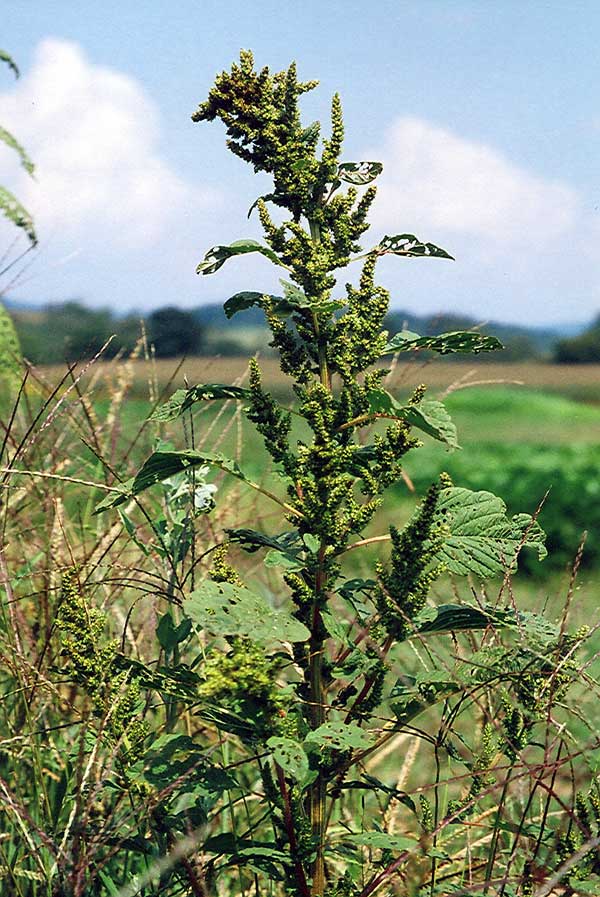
point(437, 181)
point(93, 135)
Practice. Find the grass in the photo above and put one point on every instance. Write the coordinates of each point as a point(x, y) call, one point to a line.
point(48, 526)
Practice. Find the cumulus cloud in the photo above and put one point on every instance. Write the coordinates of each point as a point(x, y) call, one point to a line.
point(436, 180)
point(94, 135)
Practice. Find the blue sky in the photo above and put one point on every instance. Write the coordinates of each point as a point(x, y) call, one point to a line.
point(486, 116)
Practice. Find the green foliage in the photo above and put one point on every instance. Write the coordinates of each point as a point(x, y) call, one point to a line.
point(274, 676)
point(10, 206)
point(174, 332)
point(10, 352)
point(582, 349)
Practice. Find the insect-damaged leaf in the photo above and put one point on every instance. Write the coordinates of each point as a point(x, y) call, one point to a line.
point(218, 255)
point(456, 342)
point(359, 172)
point(410, 246)
point(223, 608)
point(183, 399)
point(291, 756)
point(340, 737)
point(481, 538)
point(162, 465)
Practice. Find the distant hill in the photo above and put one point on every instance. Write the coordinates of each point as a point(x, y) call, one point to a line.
point(520, 341)
point(246, 332)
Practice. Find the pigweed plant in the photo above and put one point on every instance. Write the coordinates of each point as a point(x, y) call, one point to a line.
point(318, 722)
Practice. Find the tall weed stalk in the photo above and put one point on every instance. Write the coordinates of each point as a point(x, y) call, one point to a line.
point(235, 678)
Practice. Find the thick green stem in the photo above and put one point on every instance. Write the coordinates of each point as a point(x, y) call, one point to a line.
point(317, 694)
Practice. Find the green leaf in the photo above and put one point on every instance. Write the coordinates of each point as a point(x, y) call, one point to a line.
point(481, 538)
point(12, 209)
point(169, 635)
point(411, 695)
point(288, 544)
point(340, 737)
point(455, 342)
point(12, 142)
point(432, 418)
point(173, 756)
point(162, 465)
point(223, 608)
point(429, 415)
point(5, 57)
point(291, 756)
point(459, 617)
point(411, 247)
point(183, 399)
point(359, 172)
point(218, 255)
point(383, 841)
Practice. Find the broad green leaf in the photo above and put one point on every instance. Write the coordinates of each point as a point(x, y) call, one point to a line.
point(223, 608)
point(169, 635)
point(429, 415)
point(359, 172)
point(10, 352)
point(12, 142)
point(249, 298)
point(7, 58)
point(432, 418)
point(410, 246)
point(480, 538)
point(455, 342)
point(340, 737)
point(183, 399)
point(289, 544)
point(258, 856)
point(175, 762)
point(218, 255)
point(460, 617)
point(12, 209)
point(162, 465)
point(291, 756)
point(383, 841)
point(411, 695)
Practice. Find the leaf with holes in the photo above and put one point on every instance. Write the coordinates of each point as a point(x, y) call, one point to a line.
point(183, 399)
point(462, 342)
point(291, 756)
point(340, 737)
point(218, 255)
point(480, 538)
point(359, 173)
point(162, 465)
point(411, 247)
point(223, 608)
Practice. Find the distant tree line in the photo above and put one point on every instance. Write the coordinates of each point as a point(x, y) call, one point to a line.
point(71, 331)
point(582, 349)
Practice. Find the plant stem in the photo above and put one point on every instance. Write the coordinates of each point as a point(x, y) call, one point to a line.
point(318, 789)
